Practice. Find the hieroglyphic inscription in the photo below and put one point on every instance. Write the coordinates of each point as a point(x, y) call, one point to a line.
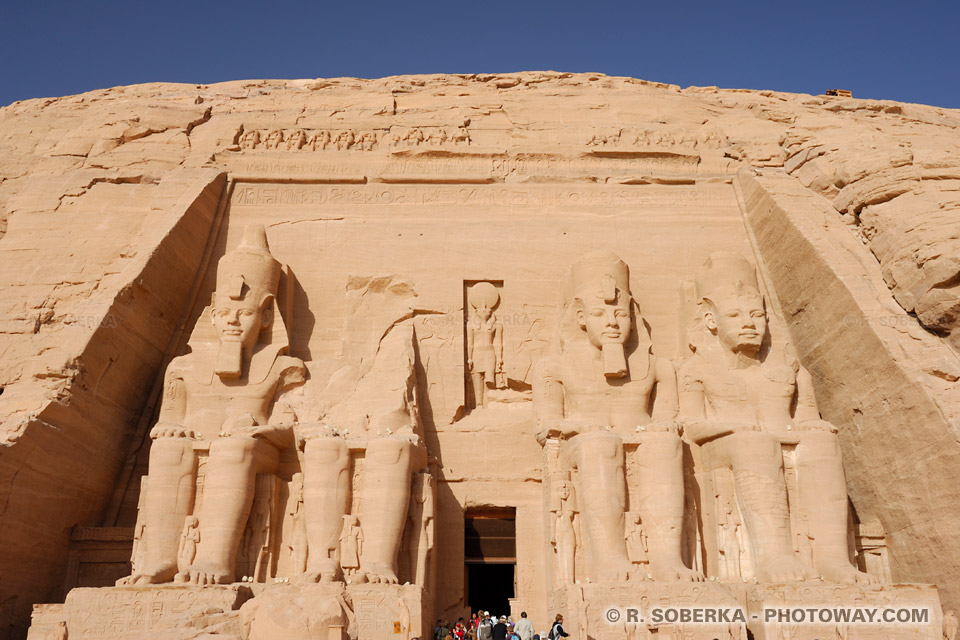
point(481, 195)
point(127, 612)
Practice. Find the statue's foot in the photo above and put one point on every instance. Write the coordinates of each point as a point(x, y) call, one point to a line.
point(784, 568)
point(614, 570)
point(356, 578)
point(674, 571)
point(380, 573)
point(842, 572)
point(324, 571)
point(204, 574)
point(157, 575)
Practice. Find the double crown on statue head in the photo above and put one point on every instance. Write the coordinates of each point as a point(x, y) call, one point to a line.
point(725, 270)
point(599, 273)
point(249, 269)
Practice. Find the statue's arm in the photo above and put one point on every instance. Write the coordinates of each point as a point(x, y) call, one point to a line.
point(807, 414)
point(470, 344)
point(547, 398)
point(498, 344)
point(692, 408)
point(173, 407)
point(667, 403)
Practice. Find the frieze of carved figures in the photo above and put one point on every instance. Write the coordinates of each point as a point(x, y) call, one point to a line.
point(743, 432)
point(594, 390)
point(706, 138)
point(280, 139)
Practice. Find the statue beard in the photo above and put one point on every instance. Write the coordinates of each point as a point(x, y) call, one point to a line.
point(614, 360)
point(230, 360)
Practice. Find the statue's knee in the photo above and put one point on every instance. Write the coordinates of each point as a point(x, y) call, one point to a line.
point(324, 451)
point(171, 452)
point(388, 451)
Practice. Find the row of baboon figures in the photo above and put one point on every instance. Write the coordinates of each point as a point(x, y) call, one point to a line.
point(598, 386)
point(348, 139)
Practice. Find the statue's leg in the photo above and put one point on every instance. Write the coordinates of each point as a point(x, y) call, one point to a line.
point(326, 497)
point(601, 496)
point(660, 458)
point(228, 493)
point(388, 469)
point(478, 389)
point(823, 495)
point(170, 491)
point(757, 462)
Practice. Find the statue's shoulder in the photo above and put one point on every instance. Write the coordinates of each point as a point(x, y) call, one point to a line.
point(291, 371)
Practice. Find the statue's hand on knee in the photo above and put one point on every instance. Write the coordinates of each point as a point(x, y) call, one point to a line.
point(170, 430)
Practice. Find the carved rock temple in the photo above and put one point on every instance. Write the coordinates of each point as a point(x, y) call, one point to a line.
point(332, 359)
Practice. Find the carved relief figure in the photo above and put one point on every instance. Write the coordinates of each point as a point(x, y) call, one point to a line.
point(597, 387)
point(298, 542)
point(188, 542)
point(728, 543)
point(273, 140)
point(636, 540)
point(226, 388)
point(484, 340)
point(422, 527)
point(564, 535)
point(738, 404)
point(950, 625)
point(351, 545)
point(250, 139)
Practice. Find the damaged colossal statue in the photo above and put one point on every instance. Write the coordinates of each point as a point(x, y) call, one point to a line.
point(596, 389)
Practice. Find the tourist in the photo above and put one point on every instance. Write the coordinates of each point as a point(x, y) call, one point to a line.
point(485, 627)
point(524, 628)
point(556, 631)
point(500, 629)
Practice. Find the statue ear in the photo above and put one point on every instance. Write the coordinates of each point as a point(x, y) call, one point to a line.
point(266, 313)
point(580, 318)
point(709, 315)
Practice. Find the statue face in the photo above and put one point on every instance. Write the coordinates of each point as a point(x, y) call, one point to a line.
point(239, 321)
point(484, 313)
point(604, 322)
point(739, 321)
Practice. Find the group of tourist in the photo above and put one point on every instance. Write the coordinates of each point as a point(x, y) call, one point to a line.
point(482, 626)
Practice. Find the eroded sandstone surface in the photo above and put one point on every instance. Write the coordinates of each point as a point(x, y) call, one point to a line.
point(425, 225)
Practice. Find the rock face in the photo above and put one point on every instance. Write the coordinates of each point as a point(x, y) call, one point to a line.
point(435, 345)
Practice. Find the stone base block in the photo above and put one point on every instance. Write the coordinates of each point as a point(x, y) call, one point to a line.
point(817, 611)
point(726, 611)
point(136, 613)
point(641, 610)
point(325, 611)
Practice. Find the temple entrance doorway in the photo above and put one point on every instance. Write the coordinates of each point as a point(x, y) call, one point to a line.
point(490, 558)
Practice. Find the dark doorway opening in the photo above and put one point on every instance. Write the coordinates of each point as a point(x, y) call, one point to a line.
point(490, 556)
point(490, 587)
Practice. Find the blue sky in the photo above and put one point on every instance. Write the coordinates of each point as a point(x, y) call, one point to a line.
point(908, 51)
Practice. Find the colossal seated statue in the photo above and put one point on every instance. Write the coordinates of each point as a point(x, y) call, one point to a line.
point(594, 390)
point(740, 405)
point(228, 391)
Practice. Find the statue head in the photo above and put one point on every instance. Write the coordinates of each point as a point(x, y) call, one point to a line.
point(247, 281)
point(483, 297)
point(730, 304)
point(598, 291)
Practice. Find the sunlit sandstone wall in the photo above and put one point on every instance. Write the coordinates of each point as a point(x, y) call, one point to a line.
point(109, 205)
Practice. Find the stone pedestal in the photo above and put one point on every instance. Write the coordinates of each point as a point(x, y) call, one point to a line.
point(326, 611)
point(136, 613)
point(681, 611)
point(606, 611)
point(826, 601)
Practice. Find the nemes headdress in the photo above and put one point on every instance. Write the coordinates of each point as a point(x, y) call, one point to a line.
point(725, 270)
point(249, 268)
